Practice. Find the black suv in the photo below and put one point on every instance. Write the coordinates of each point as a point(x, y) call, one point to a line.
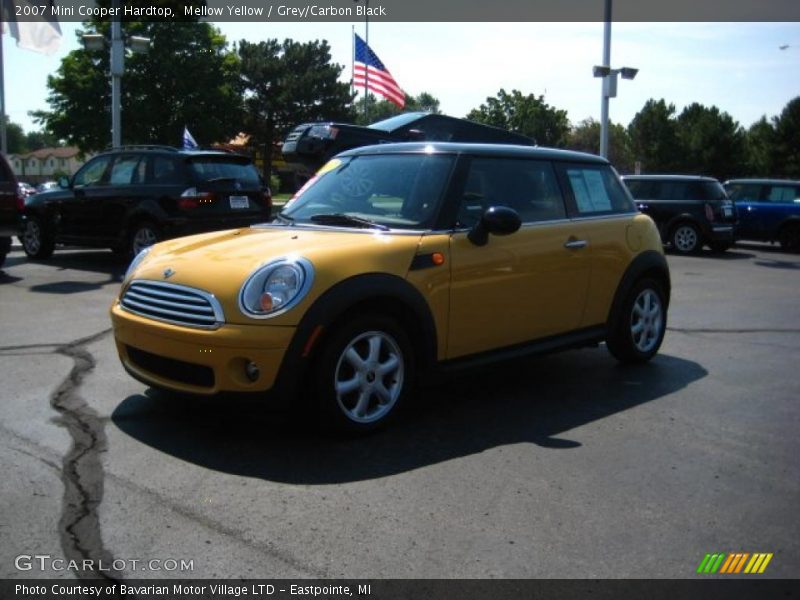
point(310, 145)
point(129, 198)
point(690, 211)
point(10, 206)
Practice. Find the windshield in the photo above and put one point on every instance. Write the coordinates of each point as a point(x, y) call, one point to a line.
point(397, 122)
point(395, 190)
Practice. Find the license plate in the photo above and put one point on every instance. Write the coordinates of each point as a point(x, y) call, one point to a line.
point(240, 202)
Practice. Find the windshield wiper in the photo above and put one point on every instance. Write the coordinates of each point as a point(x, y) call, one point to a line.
point(219, 179)
point(285, 218)
point(345, 220)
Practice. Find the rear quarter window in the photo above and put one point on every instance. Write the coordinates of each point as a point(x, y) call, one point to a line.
point(596, 190)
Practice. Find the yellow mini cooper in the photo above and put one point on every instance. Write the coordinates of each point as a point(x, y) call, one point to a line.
point(393, 263)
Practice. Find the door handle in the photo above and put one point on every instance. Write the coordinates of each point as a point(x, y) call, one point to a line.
point(573, 244)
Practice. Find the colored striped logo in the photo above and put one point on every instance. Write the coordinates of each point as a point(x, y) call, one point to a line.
point(733, 563)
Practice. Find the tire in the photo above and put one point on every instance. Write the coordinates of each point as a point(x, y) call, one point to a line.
point(142, 235)
point(789, 237)
point(636, 333)
point(365, 371)
point(686, 238)
point(720, 247)
point(5, 248)
point(37, 240)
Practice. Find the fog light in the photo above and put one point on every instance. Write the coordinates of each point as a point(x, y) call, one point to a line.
point(251, 370)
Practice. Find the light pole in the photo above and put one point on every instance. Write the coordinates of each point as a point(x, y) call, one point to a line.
point(366, 67)
point(137, 44)
point(609, 76)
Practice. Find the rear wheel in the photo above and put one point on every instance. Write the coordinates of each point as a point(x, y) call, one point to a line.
point(143, 235)
point(637, 332)
point(37, 241)
point(789, 237)
point(364, 373)
point(685, 238)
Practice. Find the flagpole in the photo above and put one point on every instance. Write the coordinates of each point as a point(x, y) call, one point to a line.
point(366, 70)
point(353, 60)
point(3, 136)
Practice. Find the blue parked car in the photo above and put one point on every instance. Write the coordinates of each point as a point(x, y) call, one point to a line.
point(768, 210)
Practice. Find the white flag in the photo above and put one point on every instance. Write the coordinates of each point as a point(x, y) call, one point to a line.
point(40, 34)
point(188, 140)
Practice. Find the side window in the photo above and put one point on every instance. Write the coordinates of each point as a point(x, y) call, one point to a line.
point(782, 193)
point(127, 170)
point(529, 187)
point(92, 172)
point(164, 171)
point(744, 192)
point(597, 191)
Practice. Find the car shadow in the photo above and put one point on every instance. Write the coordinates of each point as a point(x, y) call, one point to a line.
point(90, 261)
point(543, 402)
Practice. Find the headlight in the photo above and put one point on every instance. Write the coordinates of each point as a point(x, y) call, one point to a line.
point(137, 260)
point(275, 287)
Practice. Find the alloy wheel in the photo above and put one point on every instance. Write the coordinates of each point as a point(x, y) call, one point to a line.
point(647, 320)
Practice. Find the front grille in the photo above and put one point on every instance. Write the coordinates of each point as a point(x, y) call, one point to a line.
point(173, 303)
point(169, 368)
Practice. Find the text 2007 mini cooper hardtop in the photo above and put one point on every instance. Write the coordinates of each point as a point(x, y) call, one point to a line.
point(393, 262)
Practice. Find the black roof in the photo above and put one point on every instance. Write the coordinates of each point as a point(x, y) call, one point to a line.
point(652, 177)
point(503, 150)
point(163, 149)
point(765, 181)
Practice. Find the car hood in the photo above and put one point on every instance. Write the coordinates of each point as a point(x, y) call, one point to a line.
point(221, 261)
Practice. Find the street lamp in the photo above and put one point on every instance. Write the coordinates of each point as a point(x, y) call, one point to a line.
point(136, 44)
point(609, 76)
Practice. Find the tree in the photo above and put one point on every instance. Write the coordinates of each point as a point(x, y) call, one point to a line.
point(654, 137)
point(787, 140)
point(187, 79)
point(377, 110)
point(15, 137)
point(35, 140)
point(711, 142)
point(289, 83)
point(585, 137)
point(760, 149)
point(529, 115)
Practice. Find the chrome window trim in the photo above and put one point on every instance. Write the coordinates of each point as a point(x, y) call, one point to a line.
point(216, 307)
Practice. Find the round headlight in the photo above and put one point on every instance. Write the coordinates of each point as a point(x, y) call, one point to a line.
point(275, 287)
point(137, 260)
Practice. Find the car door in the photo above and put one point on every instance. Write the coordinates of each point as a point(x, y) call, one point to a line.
point(524, 286)
point(602, 215)
point(748, 199)
point(75, 221)
point(104, 212)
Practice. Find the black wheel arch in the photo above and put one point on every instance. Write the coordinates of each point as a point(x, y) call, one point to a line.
point(371, 292)
point(647, 264)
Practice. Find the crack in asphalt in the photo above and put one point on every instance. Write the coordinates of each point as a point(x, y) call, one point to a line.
point(82, 469)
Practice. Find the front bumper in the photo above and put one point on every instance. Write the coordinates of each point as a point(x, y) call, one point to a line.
point(199, 361)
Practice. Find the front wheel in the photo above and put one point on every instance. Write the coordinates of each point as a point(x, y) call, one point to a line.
point(143, 235)
point(686, 239)
point(637, 332)
point(37, 242)
point(364, 373)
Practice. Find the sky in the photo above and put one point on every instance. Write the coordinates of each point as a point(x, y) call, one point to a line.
point(738, 67)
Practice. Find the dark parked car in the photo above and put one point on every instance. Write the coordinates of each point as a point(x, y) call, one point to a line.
point(310, 145)
point(132, 197)
point(690, 211)
point(10, 205)
point(768, 210)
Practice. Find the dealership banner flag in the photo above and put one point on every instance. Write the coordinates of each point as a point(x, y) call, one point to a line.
point(188, 140)
point(39, 31)
point(370, 73)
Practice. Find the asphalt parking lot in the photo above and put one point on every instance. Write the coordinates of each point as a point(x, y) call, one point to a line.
point(563, 466)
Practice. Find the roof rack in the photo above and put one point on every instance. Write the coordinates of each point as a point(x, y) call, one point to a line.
point(144, 147)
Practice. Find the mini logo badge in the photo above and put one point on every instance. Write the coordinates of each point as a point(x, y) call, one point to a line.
point(237, 186)
point(168, 272)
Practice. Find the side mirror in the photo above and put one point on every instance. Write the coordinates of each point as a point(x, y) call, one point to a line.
point(498, 220)
point(63, 182)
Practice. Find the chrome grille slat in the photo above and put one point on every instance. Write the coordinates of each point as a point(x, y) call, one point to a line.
point(173, 303)
point(167, 304)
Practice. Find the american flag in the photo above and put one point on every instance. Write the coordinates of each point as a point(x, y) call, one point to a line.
point(369, 73)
